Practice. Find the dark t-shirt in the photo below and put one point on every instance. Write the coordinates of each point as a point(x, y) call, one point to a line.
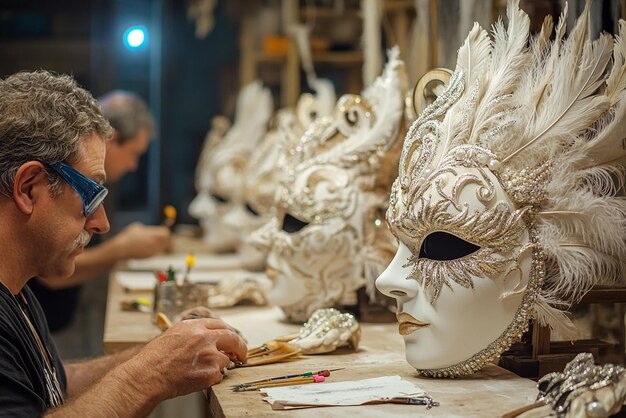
point(59, 305)
point(22, 383)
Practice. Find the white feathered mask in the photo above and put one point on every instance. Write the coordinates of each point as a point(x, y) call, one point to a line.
point(506, 204)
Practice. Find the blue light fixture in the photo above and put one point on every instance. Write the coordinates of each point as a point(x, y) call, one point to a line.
point(135, 37)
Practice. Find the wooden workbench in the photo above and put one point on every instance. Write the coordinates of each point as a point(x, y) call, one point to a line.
point(490, 393)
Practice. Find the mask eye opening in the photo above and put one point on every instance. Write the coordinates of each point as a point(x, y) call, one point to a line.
point(292, 224)
point(251, 210)
point(219, 198)
point(443, 246)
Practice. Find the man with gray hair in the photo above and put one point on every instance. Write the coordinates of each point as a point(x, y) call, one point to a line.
point(52, 152)
point(133, 127)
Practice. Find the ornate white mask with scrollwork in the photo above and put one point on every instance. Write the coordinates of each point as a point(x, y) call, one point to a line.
point(221, 182)
point(325, 241)
point(497, 181)
point(263, 171)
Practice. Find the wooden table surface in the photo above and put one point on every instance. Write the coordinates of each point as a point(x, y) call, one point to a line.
point(490, 393)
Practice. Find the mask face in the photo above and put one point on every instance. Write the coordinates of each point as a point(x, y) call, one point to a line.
point(314, 241)
point(264, 172)
point(328, 202)
point(463, 263)
point(209, 209)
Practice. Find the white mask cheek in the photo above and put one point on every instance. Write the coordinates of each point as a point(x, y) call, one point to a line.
point(287, 287)
point(460, 323)
point(237, 218)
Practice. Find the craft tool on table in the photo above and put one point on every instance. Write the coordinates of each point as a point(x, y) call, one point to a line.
point(417, 400)
point(291, 379)
point(139, 304)
point(287, 382)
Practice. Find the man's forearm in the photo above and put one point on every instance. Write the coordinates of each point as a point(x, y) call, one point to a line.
point(82, 375)
point(125, 391)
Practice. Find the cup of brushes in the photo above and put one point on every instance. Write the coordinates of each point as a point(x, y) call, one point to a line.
point(170, 296)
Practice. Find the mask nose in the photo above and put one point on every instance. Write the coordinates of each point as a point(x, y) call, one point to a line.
point(202, 206)
point(263, 238)
point(393, 281)
point(398, 293)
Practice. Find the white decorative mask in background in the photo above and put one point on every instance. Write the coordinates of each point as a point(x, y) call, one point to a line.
point(327, 238)
point(263, 171)
point(221, 182)
point(504, 204)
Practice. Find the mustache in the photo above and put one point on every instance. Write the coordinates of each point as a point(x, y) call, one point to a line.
point(82, 239)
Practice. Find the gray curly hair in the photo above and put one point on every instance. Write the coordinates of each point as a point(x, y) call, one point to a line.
point(127, 113)
point(44, 117)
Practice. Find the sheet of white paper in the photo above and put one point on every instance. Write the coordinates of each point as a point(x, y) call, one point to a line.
point(355, 392)
point(144, 280)
point(177, 261)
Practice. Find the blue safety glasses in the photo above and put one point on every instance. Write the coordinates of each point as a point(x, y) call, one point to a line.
point(91, 193)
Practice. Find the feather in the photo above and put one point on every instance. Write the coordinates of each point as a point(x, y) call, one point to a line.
point(557, 320)
point(386, 97)
point(543, 38)
point(580, 265)
point(609, 147)
point(474, 55)
point(474, 58)
point(571, 106)
point(508, 63)
point(537, 82)
point(254, 109)
point(616, 81)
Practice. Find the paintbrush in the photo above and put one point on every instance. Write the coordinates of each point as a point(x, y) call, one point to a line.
point(170, 216)
point(242, 386)
point(190, 261)
point(286, 382)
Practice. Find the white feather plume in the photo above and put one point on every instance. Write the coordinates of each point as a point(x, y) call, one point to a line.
point(385, 96)
point(616, 81)
point(556, 319)
point(475, 54)
point(509, 61)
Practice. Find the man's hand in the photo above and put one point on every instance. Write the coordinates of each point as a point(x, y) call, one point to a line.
point(199, 312)
point(188, 357)
point(204, 312)
point(140, 241)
